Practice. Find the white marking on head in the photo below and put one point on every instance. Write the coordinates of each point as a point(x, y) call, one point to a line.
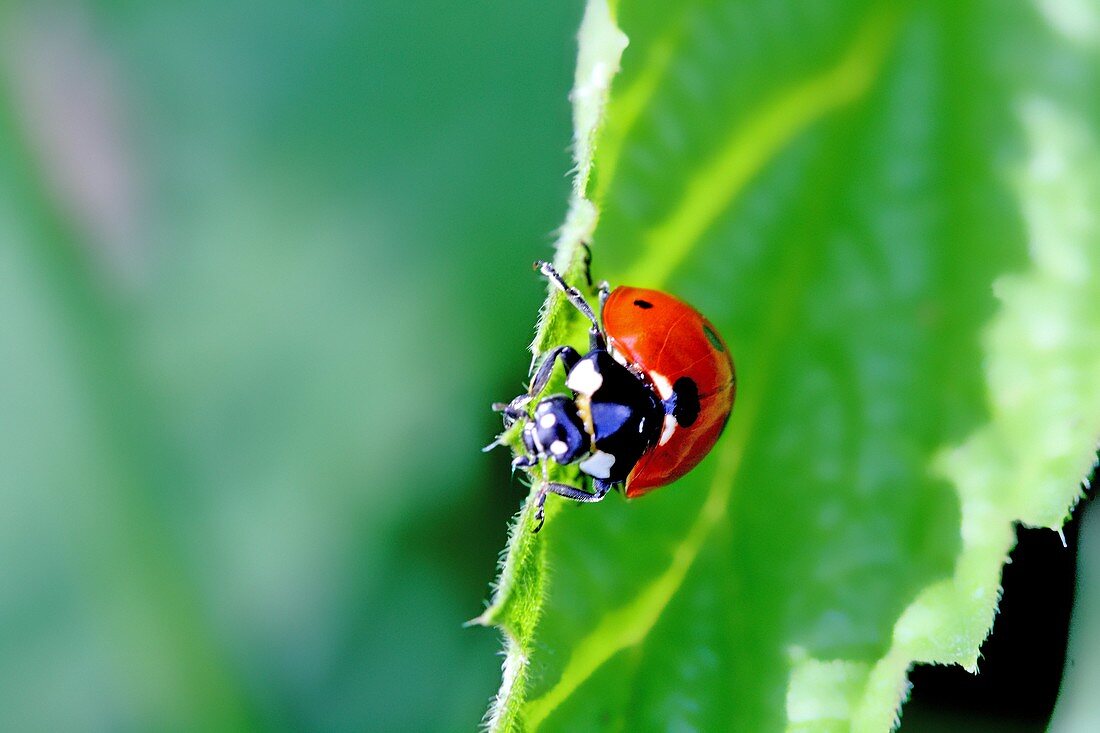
point(548, 420)
point(670, 428)
point(598, 464)
point(664, 387)
point(558, 447)
point(584, 379)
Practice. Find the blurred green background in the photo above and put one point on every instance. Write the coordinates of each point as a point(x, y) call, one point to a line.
point(263, 267)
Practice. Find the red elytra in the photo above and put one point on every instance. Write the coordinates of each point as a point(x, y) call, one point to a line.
point(666, 339)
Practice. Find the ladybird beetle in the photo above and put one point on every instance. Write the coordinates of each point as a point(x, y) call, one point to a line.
point(646, 403)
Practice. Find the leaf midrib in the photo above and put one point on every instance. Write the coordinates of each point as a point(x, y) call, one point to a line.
point(759, 140)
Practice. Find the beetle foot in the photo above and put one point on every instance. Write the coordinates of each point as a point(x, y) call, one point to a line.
point(540, 508)
point(514, 410)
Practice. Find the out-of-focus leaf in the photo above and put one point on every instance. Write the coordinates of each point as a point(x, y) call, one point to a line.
point(886, 210)
point(233, 482)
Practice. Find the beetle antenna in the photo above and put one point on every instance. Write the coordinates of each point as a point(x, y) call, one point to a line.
point(571, 292)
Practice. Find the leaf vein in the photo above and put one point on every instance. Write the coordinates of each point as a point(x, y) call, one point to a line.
point(630, 624)
point(752, 145)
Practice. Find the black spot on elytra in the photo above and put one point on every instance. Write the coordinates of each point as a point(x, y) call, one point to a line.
point(686, 394)
point(713, 337)
point(643, 304)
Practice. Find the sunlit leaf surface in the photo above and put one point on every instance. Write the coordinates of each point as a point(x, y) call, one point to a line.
point(888, 211)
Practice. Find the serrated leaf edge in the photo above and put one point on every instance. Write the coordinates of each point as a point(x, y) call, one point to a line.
point(931, 630)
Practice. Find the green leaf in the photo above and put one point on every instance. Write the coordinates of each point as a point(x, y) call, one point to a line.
point(887, 211)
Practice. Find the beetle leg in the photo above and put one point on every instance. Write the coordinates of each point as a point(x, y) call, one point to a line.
point(596, 340)
point(540, 501)
point(523, 461)
point(569, 358)
point(512, 410)
point(569, 492)
point(517, 408)
point(571, 292)
point(595, 333)
point(605, 293)
point(540, 511)
point(572, 492)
